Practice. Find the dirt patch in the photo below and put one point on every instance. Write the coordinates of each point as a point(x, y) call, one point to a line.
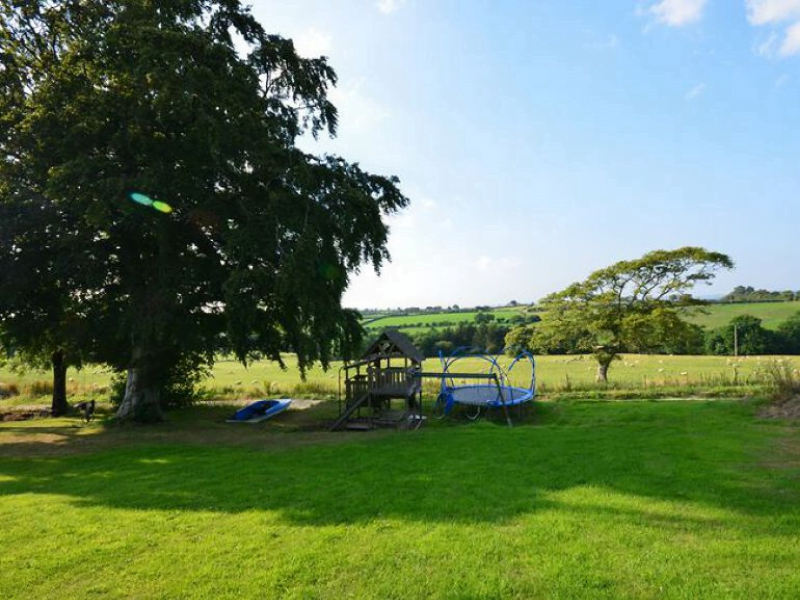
point(306, 423)
point(304, 404)
point(788, 409)
point(24, 415)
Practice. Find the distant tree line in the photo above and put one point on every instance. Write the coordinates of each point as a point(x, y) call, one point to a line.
point(432, 310)
point(749, 294)
point(485, 331)
point(743, 335)
point(482, 317)
point(487, 336)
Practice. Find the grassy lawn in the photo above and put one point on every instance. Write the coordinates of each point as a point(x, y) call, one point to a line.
point(588, 500)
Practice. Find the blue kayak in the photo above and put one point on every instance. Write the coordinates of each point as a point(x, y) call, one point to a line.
point(260, 411)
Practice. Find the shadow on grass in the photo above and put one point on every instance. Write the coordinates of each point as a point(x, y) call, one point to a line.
point(703, 453)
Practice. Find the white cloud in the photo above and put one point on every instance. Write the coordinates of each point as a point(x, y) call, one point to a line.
point(777, 13)
point(389, 6)
point(357, 111)
point(696, 91)
point(791, 44)
point(768, 46)
point(677, 13)
point(403, 220)
point(506, 263)
point(427, 204)
point(483, 263)
point(782, 81)
point(313, 43)
point(763, 12)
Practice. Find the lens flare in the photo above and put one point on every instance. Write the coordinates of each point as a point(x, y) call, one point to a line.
point(144, 200)
point(141, 199)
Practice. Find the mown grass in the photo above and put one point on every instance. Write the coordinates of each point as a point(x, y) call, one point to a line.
point(592, 500)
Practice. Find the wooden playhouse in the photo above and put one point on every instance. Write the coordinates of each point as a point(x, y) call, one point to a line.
point(382, 388)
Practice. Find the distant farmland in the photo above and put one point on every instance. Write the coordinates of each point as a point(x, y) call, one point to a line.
point(771, 313)
point(714, 316)
point(442, 319)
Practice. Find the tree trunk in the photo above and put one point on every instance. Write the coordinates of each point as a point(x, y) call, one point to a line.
point(602, 372)
point(59, 406)
point(142, 401)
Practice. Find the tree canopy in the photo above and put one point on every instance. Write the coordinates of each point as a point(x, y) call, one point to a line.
point(631, 306)
point(191, 103)
point(745, 335)
point(789, 334)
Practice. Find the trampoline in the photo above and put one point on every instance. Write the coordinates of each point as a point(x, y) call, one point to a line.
point(488, 387)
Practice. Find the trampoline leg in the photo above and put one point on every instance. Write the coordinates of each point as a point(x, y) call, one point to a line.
point(508, 418)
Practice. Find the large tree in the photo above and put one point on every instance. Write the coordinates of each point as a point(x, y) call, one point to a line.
point(192, 103)
point(631, 306)
point(43, 318)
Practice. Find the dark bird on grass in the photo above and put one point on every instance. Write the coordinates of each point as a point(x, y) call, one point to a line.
point(87, 409)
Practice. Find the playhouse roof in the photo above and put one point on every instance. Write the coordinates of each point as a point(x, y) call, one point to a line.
point(392, 341)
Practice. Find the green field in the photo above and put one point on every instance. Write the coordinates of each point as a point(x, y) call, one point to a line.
point(713, 317)
point(771, 313)
point(450, 318)
point(555, 374)
point(588, 500)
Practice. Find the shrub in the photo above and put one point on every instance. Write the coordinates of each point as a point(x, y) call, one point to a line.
point(179, 390)
point(7, 390)
point(782, 380)
point(40, 388)
point(753, 339)
point(789, 334)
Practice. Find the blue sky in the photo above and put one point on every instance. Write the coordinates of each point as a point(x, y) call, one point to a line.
point(540, 140)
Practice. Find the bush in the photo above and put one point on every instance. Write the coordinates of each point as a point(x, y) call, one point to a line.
point(748, 333)
point(789, 335)
point(40, 388)
point(782, 380)
point(179, 390)
point(7, 390)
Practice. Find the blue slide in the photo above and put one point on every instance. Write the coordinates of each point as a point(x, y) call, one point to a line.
point(260, 411)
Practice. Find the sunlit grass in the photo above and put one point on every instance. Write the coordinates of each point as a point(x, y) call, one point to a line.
point(634, 500)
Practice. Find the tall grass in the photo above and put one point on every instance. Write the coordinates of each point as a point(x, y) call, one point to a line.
point(557, 376)
point(782, 380)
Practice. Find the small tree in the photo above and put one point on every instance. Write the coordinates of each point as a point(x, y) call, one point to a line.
point(789, 334)
point(631, 306)
point(43, 314)
point(483, 317)
point(745, 336)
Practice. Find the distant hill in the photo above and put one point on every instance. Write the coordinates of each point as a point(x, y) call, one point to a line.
point(771, 313)
point(414, 323)
point(749, 294)
point(715, 315)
